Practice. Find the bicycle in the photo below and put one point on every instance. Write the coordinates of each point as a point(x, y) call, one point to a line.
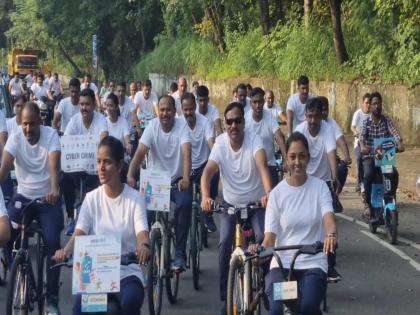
point(162, 254)
point(243, 275)
point(280, 165)
point(113, 307)
point(23, 289)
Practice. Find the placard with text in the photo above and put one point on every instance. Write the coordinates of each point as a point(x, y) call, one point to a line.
point(155, 188)
point(78, 153)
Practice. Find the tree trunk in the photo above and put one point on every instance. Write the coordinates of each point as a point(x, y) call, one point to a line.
point(307, 9)
point(213, 14)
point(264, 16)
point(278, 14)
point(339, 45)
point(78, 72)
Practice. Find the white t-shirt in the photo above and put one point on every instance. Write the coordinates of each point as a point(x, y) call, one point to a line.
point(67, 111)
point(29, 79)
point(92, 86)
point(55, 86)
point(212, 113)
point(76, 127)
point(118, 129)
point(127, 109)
point(295, 215)
point(334, 127)
point(165, 148)
point(275, 110)
point(125, 214)
point(39, 91)
point(248, 106)
point(319, 147)
point(178, 104)
point(144, 106)
point(31, 161)
point(3, 210)
point(12, 125)
point(202, 132)
point(358, 118)
point(15, 85)
point(239, 174)
point(265, 129)
point(295, 105)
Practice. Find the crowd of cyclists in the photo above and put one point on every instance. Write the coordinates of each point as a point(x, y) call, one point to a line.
point(183, 133)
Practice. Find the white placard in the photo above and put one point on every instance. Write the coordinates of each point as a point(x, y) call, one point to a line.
point(96, 264)
point(155, 188)
point(78, 153)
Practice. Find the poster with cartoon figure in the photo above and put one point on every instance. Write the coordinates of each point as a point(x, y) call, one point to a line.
point(384, 151)
point(155, 188)
point(96, 264)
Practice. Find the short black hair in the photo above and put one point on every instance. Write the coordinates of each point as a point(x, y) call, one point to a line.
point(147, 83)
point(173, 87)
point(241, 86)
point(257, 91)
point(87, 75)
point(121, 83)
point(365, 96)
point(88, 93)
point(235, 105)
point(373, 95)
point(314, 104)
point(303, 80)
point(202, 91)
point(195, 83)
point(324, 101)
point(20, 98)
point(188, 96)
point(75, 82)
point(297, 137)
point(249, 86)
point(40, 75)
point(170, 98)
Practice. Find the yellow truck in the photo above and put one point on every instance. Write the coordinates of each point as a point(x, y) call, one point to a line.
point(25, 60)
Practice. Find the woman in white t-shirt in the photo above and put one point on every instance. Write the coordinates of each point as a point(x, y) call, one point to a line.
point(114, 207)
point(300, 212)
point(117, 125)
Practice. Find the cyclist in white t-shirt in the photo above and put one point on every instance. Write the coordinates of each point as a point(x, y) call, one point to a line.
point(68, 107)
point(132, 88)
point(182, 88)
point(242, 97)
point(15, 86)
point(55, 88)
point(117, 125)
point(88, 84)
point(168, 140)
point(295, 108)
point(300, 212)
point(208, 110)
point(40, 89)
point(241, 160)
point(127, 108)
point(114, 207)
point(34, 151)
point(274, 108)
point(145, 102)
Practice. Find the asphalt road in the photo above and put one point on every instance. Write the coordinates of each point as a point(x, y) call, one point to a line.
point(378, 278)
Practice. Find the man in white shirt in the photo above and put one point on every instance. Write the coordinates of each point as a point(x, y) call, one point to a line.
point(15, 86)
point(259, 122)
point(68, 107)
point(182, 88)
point(359, 117)
point(208, 110)
point(240, 158)
point(88, 84)
point(35, 153)
point(39, 89)
point(30, 78)
point(55, 88)
point(145, 103)
point(86, 122)
point(133, 91)
point(296, 104)
point(169, 142)
point(242, 97)
point(13, 123)
point(274, 107)
point(125, 104)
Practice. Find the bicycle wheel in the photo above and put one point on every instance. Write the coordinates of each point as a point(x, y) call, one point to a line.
point(154, 275)
point(194, 249)
point(172, 277)
point(256, 286)
point(41, 274)
point(3, 267)
point(17, 292)
point(238, 279)
point(392, 226)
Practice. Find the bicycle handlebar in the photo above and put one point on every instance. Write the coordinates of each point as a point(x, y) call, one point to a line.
point(311, 249)
point(126, 259)
point(232, 210)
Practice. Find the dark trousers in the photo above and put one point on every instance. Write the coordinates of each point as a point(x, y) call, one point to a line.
point(227, 235)
point(69, 182)
point(342, 172)
point(371, 174)
point(130, 298)
point(214, 183)
point(359, 164)
point(50, 218)
point(7, 188)
point(183, 201)
point(312, 284)
point(274, 175)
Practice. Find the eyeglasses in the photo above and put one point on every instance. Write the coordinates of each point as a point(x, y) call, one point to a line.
point(230, 121)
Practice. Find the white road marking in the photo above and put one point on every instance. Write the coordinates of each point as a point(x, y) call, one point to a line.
point(365, 225)
point(393, 249)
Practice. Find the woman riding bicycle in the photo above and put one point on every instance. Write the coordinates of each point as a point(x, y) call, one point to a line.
point(300, 212)
point(115, 207)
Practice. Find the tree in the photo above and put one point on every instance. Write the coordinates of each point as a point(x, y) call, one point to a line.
point(307, 9)
point(264, 16)
point(339, 45)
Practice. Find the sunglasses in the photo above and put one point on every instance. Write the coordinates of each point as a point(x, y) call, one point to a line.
point(230, 121)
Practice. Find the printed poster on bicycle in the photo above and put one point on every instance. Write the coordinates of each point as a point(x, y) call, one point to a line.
point(78, 153)
point(96, 264)
point(384, 151)
point(155, 188)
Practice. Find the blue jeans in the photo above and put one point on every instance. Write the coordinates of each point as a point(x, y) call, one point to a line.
point(130, 298)
point(50, 217)
point(227, 235)
point(312, 285)
point(7, 189)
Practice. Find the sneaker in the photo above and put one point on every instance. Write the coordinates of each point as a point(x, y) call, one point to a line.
point(210, 225)
point(70, 226)
point(179, 264)
point(333, 275)
point(52, 306)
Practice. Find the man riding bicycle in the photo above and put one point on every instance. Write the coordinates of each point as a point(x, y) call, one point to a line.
point(68, 107)
point(35, 152)
point(169, 142)
point(241, 160)
point(374, 127)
